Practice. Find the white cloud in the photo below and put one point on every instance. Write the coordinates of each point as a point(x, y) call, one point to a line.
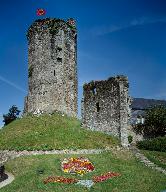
point(12, 84)
point(102, 30)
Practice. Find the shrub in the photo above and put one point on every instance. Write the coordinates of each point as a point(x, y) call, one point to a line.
point(139, 128)
point(30, 71)
point(130, 138)
point(155, 123)
point(157, 144)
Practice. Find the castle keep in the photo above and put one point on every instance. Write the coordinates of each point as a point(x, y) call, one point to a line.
point(105, 107)
point(52, 62)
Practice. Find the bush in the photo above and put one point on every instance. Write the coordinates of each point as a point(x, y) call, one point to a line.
point(157, 144)
point(155, 123)
point(130, 138)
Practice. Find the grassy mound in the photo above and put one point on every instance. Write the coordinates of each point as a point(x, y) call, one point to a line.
point(48, 132)
point(135, 176)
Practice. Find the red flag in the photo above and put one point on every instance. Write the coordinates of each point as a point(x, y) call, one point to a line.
point(40, 12)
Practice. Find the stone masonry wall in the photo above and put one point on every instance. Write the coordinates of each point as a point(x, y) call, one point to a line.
point(105, 107)
point(52, 73)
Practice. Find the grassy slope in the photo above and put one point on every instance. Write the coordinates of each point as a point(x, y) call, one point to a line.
point(135, 176)
point(51, 132)
point(159, 158)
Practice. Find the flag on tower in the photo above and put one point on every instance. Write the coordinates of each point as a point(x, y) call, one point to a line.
point(40, 12)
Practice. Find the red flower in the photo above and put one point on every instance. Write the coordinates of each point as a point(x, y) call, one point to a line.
point(89, 166)
point(105, 177)
point(40, 12)
point(72, 22)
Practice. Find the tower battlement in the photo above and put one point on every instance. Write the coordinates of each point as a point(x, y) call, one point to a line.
point(52, 66)
point(52, 25)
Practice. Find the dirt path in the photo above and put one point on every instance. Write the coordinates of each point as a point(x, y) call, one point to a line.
point(145, 160)
point(7, 181)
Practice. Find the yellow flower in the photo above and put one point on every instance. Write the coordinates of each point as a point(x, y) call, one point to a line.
point(58, 180)
point(81, 172)
point(66, 170)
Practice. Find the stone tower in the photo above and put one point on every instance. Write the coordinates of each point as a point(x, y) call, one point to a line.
point(105, 107)
point(52, 67)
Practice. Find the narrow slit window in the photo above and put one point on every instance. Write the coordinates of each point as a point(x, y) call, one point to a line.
point(97, 106)
point(54, 72)
point(94, 91)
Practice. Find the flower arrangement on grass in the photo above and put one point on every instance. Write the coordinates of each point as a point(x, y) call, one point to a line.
point(104, 177)
point(60, 179)
point(86, 183)
point(78, 165)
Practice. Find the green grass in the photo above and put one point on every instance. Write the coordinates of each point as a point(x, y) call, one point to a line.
point(159, 158)
point(51, 132)
point(135, 177)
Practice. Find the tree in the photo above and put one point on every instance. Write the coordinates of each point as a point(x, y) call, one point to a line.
point(155, 122)
point(12, 115)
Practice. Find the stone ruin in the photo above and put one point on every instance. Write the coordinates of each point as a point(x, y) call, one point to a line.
point(105, 107)
point(52, 72)
point(53, 86)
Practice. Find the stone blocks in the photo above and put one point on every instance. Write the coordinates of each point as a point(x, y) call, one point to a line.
point(105, 107)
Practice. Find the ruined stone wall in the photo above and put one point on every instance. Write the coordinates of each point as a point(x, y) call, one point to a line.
point(105, 107)
point(52, 60)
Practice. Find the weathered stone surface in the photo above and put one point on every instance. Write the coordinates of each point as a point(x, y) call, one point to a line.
point(52, 60)
point(105, 107)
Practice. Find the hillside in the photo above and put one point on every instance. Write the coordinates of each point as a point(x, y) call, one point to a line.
point(48, 132)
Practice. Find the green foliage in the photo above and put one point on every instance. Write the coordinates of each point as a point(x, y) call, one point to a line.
point(30, 71)
point(72, 27)
point(139, 128)
point(12, 115)
point(157, 144)
point(85, 85)
point(130, 138)
point(155, 122)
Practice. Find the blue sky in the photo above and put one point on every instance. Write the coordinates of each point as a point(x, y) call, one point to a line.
point(114, 37)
